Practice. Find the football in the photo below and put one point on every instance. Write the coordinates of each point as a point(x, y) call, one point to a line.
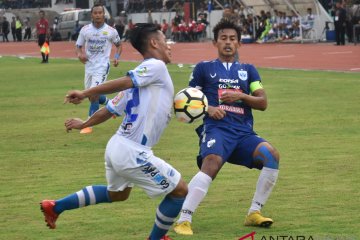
point(190, 104)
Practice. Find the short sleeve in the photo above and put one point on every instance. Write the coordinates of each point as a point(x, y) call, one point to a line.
point(115, 38)
point(148, 72)
point(117, 104)
point(253, 74)
point(81, 39)
point(196, 79)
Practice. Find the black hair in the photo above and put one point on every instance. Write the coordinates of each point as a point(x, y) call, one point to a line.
point(139, 36)
point(98, 5)
point(226, 23)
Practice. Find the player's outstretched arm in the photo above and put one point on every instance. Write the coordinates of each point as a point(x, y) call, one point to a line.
point(98, 117)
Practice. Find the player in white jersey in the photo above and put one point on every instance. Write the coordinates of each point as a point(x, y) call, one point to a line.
point(146, 96)
point(93, 48)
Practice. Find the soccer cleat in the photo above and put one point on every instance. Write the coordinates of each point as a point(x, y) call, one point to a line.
point(257, 220)
point(163, 238)
point(47, 207)
point(86, 130)
point(183, 228)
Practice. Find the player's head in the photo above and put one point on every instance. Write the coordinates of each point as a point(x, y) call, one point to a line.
point(98, 14)
point(227, 36)
point(150, 41)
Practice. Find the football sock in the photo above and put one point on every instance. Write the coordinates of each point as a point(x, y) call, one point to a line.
point(264, 186)
point(166, 213)
point(103, 100)
point(198, 188)
point(94, 106)
point(89, 195)
point(43, 56)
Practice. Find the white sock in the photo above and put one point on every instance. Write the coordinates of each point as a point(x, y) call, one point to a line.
point(198, 188)
point(264, 186)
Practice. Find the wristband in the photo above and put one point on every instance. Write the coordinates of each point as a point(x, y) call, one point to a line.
point(117, 56)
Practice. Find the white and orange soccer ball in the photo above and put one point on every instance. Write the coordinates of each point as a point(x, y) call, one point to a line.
point(190, 104)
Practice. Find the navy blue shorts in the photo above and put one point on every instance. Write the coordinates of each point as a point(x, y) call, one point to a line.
point(233, 148)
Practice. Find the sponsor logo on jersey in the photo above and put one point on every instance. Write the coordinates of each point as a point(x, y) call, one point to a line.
point(243, 75)
point(212, 76)
point(211, 143)
point(233, 109)
point(117, 98)
point(105, 33)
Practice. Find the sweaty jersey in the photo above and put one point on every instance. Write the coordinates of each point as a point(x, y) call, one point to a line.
point(213, 78)
point(98, 43)
point(147, 105)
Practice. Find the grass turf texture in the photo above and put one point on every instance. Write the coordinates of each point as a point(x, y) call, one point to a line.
point(312, 119)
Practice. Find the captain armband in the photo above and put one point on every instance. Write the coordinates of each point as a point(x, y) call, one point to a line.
point(255, 86)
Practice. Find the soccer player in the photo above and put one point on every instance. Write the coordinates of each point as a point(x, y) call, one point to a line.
point(146, 95)
point(233, 89)
point(97, 38)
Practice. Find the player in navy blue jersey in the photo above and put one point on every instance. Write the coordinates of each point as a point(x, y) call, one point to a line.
point(233, 89)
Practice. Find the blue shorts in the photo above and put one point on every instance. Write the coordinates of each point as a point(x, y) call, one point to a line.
point(233, 148)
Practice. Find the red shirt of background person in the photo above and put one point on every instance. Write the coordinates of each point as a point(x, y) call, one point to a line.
point(164, 26)
point(42, 26)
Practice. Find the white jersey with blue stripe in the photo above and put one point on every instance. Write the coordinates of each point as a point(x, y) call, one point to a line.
point(147, 105)
point(98, 43)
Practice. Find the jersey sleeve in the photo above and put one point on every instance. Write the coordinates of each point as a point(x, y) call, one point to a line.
point(115, 38)
point(149, 72)
point(117, 104)
point(253, 74)
point(196, 79)
point(81, 39)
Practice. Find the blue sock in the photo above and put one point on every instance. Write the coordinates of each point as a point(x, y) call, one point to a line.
point(94, 106)
point(166, 213)
point(103, 100)
point(89, 195)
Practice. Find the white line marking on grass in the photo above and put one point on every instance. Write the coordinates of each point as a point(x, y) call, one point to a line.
point(277, 57)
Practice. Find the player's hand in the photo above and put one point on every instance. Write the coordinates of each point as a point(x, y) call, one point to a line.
point(216, 113)
point(74, 96)
point(230, 96)
point(116, 62)
point(82, 57)
point(73, 123)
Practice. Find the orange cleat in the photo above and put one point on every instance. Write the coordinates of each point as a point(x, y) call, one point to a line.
point(47, 207)
point(86, 130)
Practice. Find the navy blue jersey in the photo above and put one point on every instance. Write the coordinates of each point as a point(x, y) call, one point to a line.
point(215, 77)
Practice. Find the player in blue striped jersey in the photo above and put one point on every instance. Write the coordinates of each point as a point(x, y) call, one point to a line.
point(146, 97)
point(233, 89)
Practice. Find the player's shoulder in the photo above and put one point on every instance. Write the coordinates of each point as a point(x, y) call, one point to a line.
point(245, 66)
point(204, 64)
point(87, 27)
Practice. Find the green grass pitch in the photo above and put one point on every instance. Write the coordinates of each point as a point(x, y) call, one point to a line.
point(313, 119)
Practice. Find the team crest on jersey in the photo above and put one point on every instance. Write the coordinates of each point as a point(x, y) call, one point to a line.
point(243, 75)
point(142, 71)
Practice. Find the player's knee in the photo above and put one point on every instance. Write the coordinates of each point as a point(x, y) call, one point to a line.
point(211, 165)
point(268, 156)
point(181, 190)
point(119, 196)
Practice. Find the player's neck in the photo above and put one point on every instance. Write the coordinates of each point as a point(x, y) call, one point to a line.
point(226, 59)
point(98, 25)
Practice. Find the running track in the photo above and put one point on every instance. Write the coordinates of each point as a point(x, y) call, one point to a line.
point(315, 56)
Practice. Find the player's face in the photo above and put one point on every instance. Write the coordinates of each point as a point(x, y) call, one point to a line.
point(164, 48)
point(227, 44)
point(98, 15)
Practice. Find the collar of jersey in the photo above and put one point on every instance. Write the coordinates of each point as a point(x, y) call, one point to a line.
point(99, 27)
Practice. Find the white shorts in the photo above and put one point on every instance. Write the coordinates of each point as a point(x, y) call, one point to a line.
point(128, 163)
point(92, 80)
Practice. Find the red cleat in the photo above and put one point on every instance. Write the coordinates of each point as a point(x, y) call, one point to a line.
point(47, 207)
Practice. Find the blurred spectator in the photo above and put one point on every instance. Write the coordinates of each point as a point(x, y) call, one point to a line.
point(13, 28)
point(339, 14)
point(129, 28)
point(149, 18)
point(27, 35)
point(5, 27)
point(164, 27)
point(18, 29)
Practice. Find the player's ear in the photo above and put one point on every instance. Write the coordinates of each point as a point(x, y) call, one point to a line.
point(153, 43)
